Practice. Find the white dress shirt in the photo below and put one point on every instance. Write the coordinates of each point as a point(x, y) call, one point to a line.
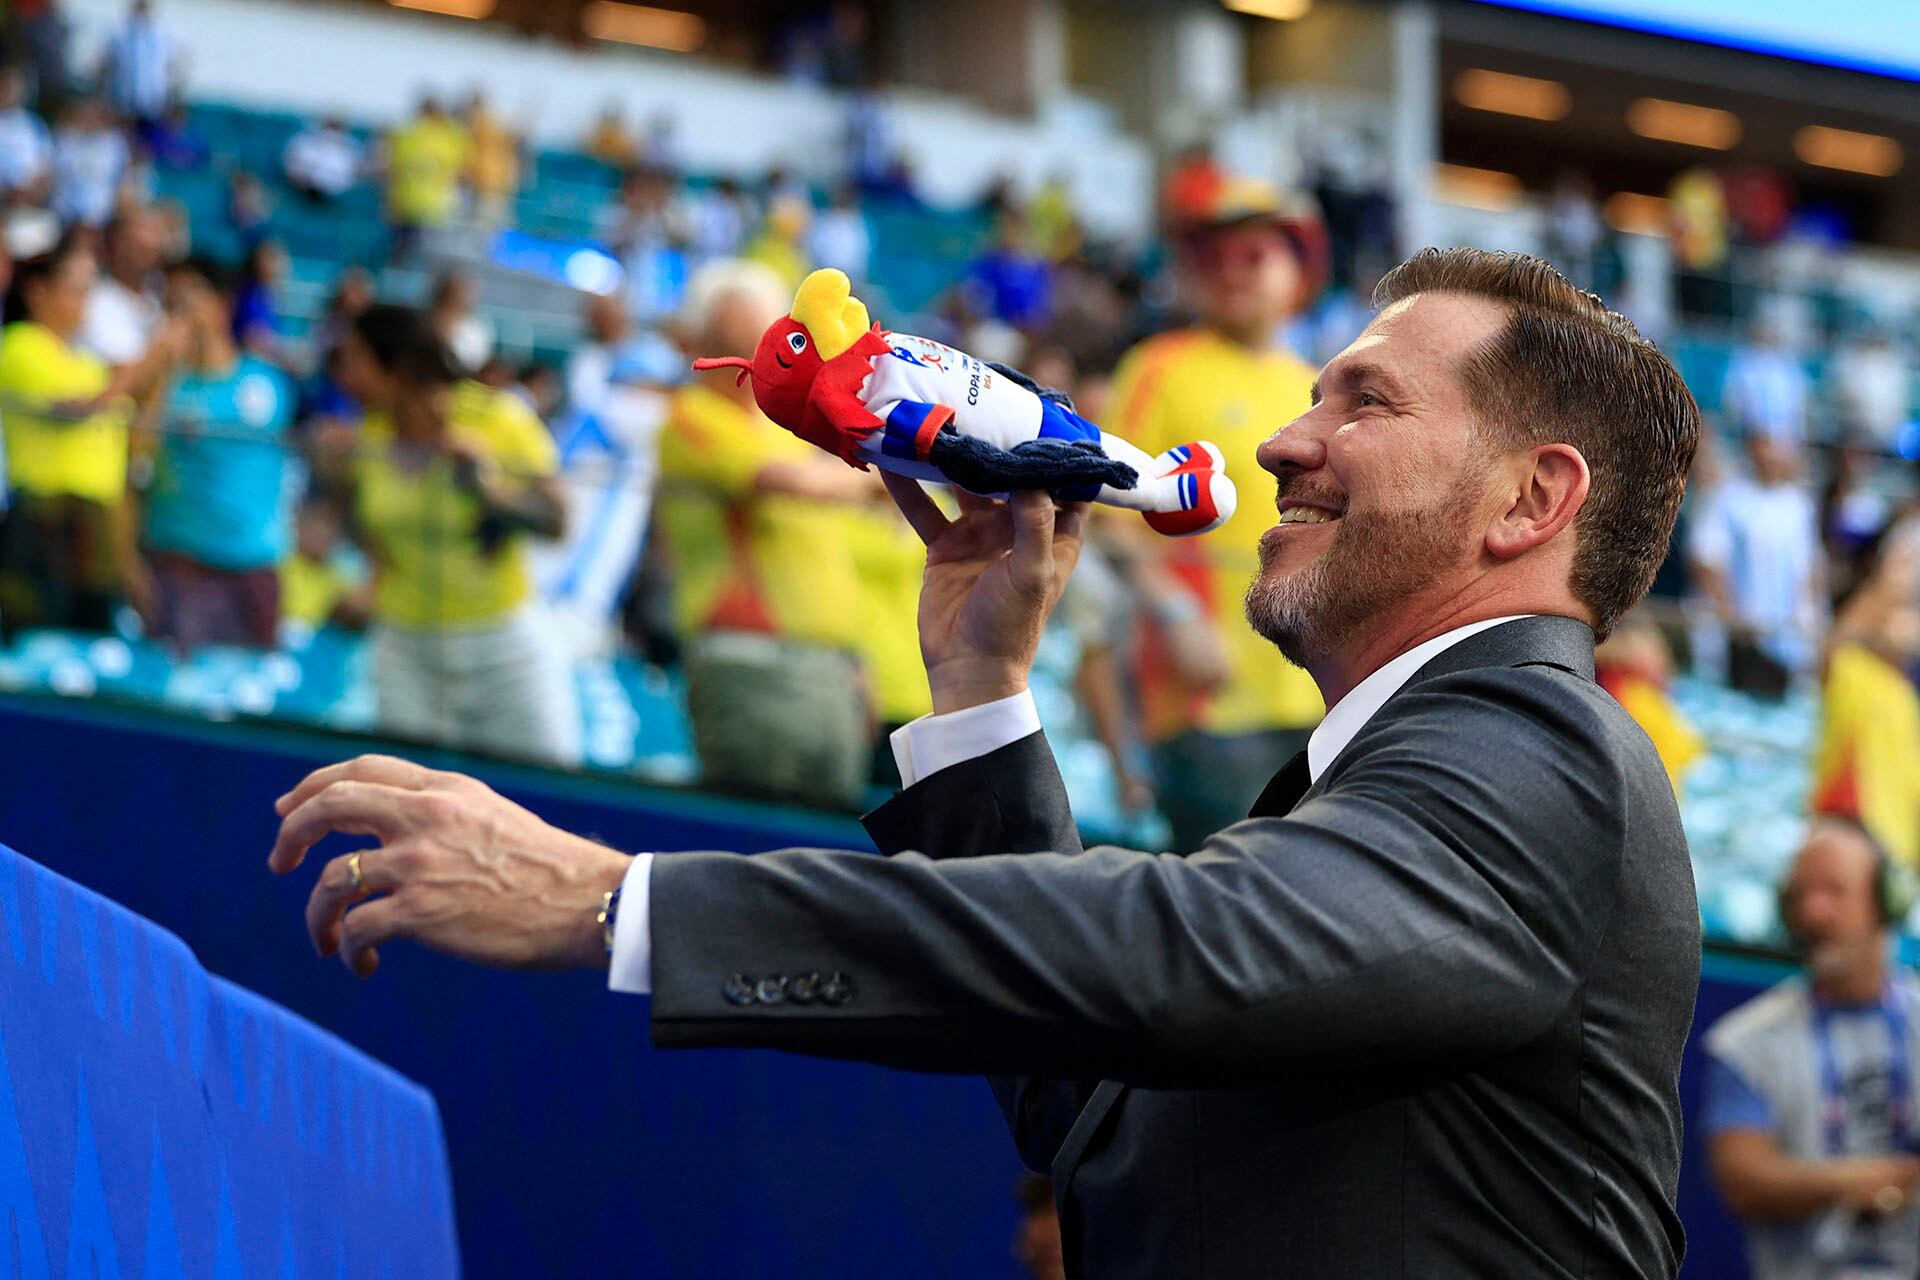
point(932, 743)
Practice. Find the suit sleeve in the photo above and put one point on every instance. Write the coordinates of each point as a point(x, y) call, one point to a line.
point(1433, 903)
point(1011, 800)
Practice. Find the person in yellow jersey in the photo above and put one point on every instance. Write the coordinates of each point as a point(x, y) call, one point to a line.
point(426, 158)
point(67, 550)
point(448, 483)
point(1219, 708)
point(766, 585)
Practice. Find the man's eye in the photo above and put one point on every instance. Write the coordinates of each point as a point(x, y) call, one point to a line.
point(1365, 398)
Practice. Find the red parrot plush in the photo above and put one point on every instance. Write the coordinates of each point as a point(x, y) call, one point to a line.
point(921, 408)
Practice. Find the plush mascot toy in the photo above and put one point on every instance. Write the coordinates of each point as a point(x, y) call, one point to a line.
point(923, 409)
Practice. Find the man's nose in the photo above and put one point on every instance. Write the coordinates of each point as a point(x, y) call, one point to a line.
point(1299, 446)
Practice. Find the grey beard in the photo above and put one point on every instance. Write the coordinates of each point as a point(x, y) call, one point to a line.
point(1377, 561)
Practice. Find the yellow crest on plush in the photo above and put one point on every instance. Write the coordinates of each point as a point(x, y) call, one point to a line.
point(833, 316)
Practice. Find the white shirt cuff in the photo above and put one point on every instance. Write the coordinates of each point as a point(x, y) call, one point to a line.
point(631, 968)
point(925, 746)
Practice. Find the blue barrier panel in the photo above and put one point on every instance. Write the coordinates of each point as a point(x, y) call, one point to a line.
point(576, 1149)
point(156, 1121)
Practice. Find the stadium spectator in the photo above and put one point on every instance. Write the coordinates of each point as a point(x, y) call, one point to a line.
point(1219, 711)
point(840, 236)
point(719, 221)
point(1867, 761)
point(424, 160)
point(26, 150)
point(1766, 389)
point(90, 157)
point(256, 300)
point(42, 30)
point(610, 141)
point(218, 513)
point(173, 142)
point(1809, 1107)
point(249, 208)
point(765, 585)
point(781, 244)
point(1872, 387)
point(322, 583)
point(448, 483)
point(648, 229)
point(1010, 283)
point(144, 66)
point(124, 306)
point(1036, 1242)
point(1754, 552)
point(1635, 665)
point(1575, 229)
point(455, 310)
point(493, 162)
point(1192, 186)
point(67, 551)
point(322, 161)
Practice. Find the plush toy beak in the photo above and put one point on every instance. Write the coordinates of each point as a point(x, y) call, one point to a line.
point(744, 365)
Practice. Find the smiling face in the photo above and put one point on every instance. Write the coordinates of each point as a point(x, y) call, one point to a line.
point(1384, 486)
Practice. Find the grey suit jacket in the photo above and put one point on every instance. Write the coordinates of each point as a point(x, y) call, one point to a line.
point(1421, 1019)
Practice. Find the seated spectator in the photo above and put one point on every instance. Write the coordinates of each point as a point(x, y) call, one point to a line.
point(424, 160)
point(493, 163)
point(449, 483)
point(26, 151)
point(124, 308)
point(326, 406)
point(1635, 665)
point(1754, 551)
point(66, 550)
point(765, 586)
point(1009, 282)
point(90, 157)
point(1872, 387)
point(610, 141)
point(322, 161)
point(781, 242)
point(256, 301)
point(142, 67)
point(218, 517)
point(1808, 1116)
point(172, 141)
point(719, 220)
point(322, 582)
point(1767, 388)
point(249, 207)
point(457, 318)
point(648, 229)
point(840, 237)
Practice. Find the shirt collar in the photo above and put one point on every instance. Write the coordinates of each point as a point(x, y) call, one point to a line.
point(1350, 715)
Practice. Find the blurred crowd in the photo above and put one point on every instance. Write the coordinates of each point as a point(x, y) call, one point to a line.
point(182, 465)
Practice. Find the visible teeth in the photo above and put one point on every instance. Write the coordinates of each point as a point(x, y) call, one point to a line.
point(1305, 515)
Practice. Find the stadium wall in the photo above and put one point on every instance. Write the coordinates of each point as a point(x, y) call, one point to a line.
point(575, 1148)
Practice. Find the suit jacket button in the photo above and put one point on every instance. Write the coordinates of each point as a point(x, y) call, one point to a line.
point(771, 990)
point(803, 987)
point(837, 989)
point(738, 989)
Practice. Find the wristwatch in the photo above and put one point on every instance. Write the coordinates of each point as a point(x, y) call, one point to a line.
point(608, 913)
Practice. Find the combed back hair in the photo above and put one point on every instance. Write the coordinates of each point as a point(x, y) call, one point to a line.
point(1566, 370)
point(725, 278)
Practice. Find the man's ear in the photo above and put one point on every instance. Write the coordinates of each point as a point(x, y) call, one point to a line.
point(1549, 487)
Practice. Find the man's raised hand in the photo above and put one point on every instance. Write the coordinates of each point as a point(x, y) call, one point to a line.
point(459, 868)
point(993, 577)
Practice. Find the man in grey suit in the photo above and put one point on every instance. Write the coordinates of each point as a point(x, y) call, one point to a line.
point(1419, 1015)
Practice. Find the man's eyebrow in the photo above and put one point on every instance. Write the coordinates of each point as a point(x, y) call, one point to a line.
point(1358, 372)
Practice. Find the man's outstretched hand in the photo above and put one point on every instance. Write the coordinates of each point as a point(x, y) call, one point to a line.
point(993, 576)
point(460, 869)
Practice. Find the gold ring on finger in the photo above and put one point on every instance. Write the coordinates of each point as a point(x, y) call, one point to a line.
point(353, 873)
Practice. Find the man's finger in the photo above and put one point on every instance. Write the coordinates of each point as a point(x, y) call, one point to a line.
point(1031, 563)
point(971, 502)
point(1070, 521)
point(365, 928)
point(351, 807)
point(391, 771)
point(335, 891)
point(921, 511)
